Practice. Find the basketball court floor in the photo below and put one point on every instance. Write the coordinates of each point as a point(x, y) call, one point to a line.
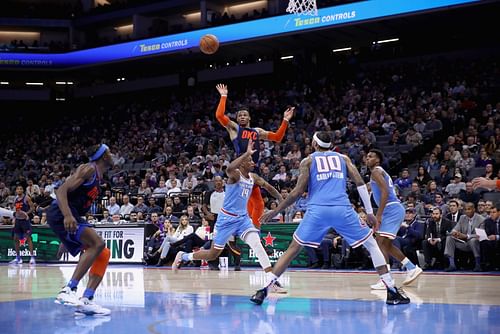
point(151, 300)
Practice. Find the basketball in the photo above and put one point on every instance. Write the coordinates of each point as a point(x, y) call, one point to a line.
point(209, 44)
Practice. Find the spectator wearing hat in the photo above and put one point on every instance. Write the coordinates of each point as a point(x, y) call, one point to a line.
point(453, 189)
point(410, 236)
point(202, 186)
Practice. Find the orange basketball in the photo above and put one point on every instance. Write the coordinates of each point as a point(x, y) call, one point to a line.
point(209, 44)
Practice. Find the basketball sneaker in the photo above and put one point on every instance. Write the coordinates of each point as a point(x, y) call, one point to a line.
point(16, 261)
point(396, 296)
point(177, 261)
point(276, 287)
point(378, 286)
point(32, 261)
point(67, 297)
point(259, 296)
point(88, 307)
point(412, 275)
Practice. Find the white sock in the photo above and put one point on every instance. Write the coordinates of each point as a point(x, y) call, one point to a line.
point(270, 279)
point(388, 280)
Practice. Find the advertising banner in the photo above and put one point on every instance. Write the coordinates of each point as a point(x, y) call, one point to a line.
point(275, 239)
point(262, 28)
point(125, 243)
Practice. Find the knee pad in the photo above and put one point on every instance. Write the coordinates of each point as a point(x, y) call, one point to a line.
point(101, 263)
point(252, 239)
point(375, 252)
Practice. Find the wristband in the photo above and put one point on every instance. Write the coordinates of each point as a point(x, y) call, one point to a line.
point(365, 197)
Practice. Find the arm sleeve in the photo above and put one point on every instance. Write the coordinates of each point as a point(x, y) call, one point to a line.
point(278, 135)
point(221, 109)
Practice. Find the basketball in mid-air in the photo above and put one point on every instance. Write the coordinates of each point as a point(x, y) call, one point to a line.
point(209, 44)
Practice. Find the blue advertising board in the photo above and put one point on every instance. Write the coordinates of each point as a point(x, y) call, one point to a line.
point(262, 28)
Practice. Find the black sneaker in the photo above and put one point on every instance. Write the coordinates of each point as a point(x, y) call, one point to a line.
point(259, 296)
point(396, 296)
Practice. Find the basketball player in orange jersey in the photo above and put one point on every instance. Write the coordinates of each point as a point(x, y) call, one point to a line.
point(240, 132)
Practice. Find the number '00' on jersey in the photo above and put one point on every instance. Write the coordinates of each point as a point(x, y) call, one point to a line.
point(327, 179)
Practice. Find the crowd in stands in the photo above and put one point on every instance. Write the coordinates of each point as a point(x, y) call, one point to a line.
point(171, 153)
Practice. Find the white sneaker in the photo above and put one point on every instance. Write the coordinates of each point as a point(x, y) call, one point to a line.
point(32, 261)
point(177, 261)
point(378, 286)
point(16, 261)
point(88, 307)
point(67, 297)
point(277, 288)
point(412, 275)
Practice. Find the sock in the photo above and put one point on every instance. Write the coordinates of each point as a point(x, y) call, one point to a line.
point(18, 257)
point(388, 280)
point(270, 279)
point(89, 293)
point(452, 261)
point(187, 257)
point(478, 261)
point(73, 284)
point(407, 264)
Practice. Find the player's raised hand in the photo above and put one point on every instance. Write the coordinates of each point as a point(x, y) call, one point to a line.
point(289, 113)
point(250, 148)
point(482, 182)
point(222, 89)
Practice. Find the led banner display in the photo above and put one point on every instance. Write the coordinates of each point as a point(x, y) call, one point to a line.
point(284, 24)
point(126, 244)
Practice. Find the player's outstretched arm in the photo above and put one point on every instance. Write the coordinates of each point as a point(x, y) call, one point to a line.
point(221, 109)
point(270, 189)
point(280, 134)
point(232, 169)
point(31, 205)
point(482, 182)
point(300, 188)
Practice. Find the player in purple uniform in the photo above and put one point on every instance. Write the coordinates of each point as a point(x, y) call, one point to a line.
point(64, 216)
point(240, 133)
point(22, 225)
point(324, 175)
